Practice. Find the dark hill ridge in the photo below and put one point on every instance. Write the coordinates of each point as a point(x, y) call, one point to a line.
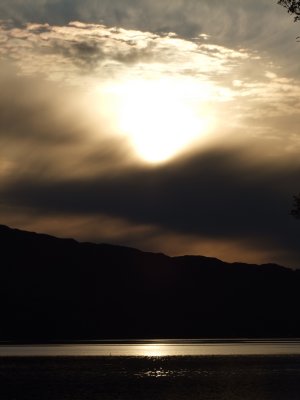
point(60, 289)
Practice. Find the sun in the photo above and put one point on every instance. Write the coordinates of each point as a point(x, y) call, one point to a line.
point(160, 117)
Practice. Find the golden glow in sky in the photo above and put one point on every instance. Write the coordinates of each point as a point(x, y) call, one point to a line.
point(96, 101)
point(161, 117)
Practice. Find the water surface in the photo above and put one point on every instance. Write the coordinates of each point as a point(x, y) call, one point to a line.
point(247, 377)
point(152, 370)
point(156, 348)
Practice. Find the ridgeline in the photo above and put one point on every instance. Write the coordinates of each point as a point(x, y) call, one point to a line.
point(61, 290)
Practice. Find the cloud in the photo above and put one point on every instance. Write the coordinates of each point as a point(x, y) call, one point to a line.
point(98, 48)
point(214, 196)
point(259, 24)
point(48, 130)
point(90, 56)
point(64, 158)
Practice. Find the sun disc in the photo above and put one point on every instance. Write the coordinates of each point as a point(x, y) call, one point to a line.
point(158, 119)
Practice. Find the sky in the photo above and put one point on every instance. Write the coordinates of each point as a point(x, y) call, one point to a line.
point(171, 126)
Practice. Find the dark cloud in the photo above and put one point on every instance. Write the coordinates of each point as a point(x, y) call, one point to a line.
point(89, 54)
point(231, 18)
point(187, 17)
point(210, 195)
point(85, 55)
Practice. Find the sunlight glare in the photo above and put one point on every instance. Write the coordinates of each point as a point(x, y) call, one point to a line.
point(161, 117)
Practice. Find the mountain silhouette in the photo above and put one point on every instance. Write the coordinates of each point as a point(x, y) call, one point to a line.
point(59, 289)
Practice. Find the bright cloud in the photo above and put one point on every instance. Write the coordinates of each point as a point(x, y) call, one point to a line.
point(233, 81)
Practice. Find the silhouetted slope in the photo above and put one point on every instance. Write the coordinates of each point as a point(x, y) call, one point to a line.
point(59, 289)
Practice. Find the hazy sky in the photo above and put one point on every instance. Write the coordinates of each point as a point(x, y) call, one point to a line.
point(168, 125)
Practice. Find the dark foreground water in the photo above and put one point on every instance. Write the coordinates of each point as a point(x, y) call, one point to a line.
point(245, 376)
point(155, 378)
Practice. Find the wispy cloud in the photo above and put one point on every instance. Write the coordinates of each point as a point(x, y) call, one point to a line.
point(90, 55)
point(80, 47)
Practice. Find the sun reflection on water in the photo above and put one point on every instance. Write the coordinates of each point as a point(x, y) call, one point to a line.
point(158, 348)
point(152, 350)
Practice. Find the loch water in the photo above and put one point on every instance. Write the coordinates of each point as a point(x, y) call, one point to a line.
point(152, 370)
point(157, 348)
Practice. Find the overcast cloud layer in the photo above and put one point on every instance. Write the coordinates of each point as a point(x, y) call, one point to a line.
point(67, 168)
